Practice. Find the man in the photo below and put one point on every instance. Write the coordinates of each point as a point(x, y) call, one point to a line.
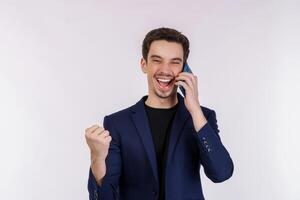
point(154, 149)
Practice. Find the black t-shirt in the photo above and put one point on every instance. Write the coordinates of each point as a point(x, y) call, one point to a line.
point(160, 121)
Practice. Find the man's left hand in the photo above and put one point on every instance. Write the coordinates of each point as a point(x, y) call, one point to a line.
point(189, 82)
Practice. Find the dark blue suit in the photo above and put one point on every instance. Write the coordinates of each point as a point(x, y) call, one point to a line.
point(131, 162)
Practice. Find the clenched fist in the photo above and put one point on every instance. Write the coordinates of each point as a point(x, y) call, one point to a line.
point(98, 140)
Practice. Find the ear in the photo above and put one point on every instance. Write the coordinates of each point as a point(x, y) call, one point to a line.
point(144, 66)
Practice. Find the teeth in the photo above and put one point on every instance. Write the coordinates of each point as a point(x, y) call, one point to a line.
point(164, 80)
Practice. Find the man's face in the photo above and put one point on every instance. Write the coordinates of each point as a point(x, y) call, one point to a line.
point(164, 62)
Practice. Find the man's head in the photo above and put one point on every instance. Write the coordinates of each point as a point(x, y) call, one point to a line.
point(168, 34)
point(164, 52)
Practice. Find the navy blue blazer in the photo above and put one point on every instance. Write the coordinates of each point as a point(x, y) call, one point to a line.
point(131, 162)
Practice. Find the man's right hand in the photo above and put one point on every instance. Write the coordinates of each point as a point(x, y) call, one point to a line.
point(98, 140)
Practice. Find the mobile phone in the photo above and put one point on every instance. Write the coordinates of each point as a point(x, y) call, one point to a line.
point(186, 68)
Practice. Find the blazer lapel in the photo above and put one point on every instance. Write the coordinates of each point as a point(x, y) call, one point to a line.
point(141, 122)
point(140, 119)
point(179, 120)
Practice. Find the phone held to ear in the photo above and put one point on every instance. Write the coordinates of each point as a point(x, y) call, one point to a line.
point(186, 68)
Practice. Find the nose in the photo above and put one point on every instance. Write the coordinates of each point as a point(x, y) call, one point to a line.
point(166, 67)
point(165, 70)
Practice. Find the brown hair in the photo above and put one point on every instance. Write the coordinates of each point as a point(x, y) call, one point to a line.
point(171, 35)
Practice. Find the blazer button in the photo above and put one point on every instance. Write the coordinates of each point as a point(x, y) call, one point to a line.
point(154, 193)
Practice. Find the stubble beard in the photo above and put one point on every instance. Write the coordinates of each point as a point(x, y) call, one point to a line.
point(165, 95)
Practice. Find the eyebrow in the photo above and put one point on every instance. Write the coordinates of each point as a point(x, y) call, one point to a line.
point(156, 56)
point(173, 59)
point(178, 59)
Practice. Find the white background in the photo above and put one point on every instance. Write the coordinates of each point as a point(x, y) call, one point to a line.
point(66, 64)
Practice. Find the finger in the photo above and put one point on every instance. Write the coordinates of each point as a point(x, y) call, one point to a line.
point(184, 85)
point(186, 79)
point(104, 134)
point(92, 128)
point(196, 79)
point(88, 131)
point(187, 74)
point(98, 131)
point(196, 82)
point(191, 76)
point(108, 139)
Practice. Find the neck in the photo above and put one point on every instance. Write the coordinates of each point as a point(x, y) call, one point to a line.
point(157, 102)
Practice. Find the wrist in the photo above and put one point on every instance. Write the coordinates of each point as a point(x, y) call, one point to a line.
point(97, 158)
point(199, 119)
point(196, 112)
point(99, 171)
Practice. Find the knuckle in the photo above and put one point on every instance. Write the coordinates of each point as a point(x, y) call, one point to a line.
point(87, 134)
point(87, 130)
point(104, 133)
point(94, 126)
point(99, 130)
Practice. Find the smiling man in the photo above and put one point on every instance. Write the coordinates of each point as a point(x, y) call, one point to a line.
point(155, 148)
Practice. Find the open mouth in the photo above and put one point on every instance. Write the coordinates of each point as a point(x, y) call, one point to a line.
point(165, 83)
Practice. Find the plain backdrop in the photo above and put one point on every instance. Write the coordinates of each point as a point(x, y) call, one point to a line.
point(66, 64)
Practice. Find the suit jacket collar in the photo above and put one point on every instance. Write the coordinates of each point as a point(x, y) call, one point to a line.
point(141, 122)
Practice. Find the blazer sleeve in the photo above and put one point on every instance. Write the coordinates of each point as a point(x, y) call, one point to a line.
point(109, 189)
point(214, 157)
